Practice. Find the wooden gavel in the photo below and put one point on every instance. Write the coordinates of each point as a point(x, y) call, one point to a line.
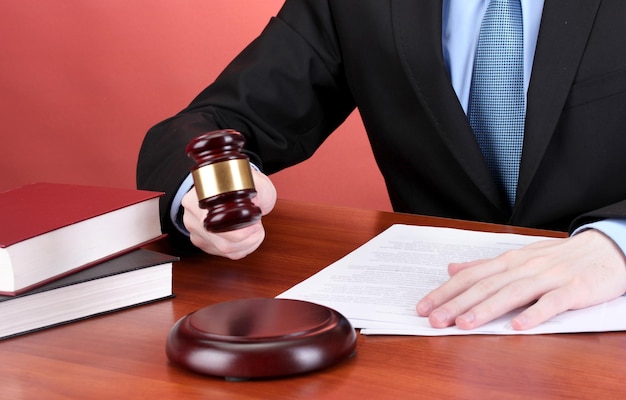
point(223, 180)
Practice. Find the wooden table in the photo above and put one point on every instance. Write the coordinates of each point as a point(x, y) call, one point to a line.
point(121, 355)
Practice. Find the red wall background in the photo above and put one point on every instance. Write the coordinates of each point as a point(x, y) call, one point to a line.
point(82, 81)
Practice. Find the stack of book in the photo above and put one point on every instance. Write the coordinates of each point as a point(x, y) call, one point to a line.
point(69, 252)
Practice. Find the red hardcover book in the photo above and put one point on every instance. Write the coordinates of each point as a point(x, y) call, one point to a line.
point(50, 230)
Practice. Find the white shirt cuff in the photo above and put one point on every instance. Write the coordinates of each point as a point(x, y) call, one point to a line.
point(615, 229)
point(175, 208)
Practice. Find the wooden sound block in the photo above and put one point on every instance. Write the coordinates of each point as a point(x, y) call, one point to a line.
point(260, 338)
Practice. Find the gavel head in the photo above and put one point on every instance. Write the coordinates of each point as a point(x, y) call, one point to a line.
point(223, 180)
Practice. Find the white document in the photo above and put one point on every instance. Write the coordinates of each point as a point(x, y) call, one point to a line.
point(378, 285)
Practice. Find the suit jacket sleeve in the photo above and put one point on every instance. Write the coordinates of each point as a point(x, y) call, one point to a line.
point(285, 93)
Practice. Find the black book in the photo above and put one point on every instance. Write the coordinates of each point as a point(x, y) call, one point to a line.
point(135, 278)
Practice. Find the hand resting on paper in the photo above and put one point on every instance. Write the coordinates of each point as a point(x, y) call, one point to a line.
point(234, 244)
point(554, 275)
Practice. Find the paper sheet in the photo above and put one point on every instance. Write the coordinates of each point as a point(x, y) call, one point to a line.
point(378, 285)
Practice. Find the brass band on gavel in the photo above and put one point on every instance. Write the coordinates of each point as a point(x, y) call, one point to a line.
point(222, 177)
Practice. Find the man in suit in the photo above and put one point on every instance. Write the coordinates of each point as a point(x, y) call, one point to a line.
point(401, 64)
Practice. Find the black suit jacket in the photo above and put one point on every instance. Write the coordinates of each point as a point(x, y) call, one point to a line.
point(319, 59)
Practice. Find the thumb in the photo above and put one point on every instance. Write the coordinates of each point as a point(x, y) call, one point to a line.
point(266, 192)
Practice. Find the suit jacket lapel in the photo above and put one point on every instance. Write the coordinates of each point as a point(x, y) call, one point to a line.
point(565, 28)
point(417, 25)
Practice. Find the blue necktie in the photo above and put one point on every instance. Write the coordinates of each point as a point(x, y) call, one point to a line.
point(497, 105)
